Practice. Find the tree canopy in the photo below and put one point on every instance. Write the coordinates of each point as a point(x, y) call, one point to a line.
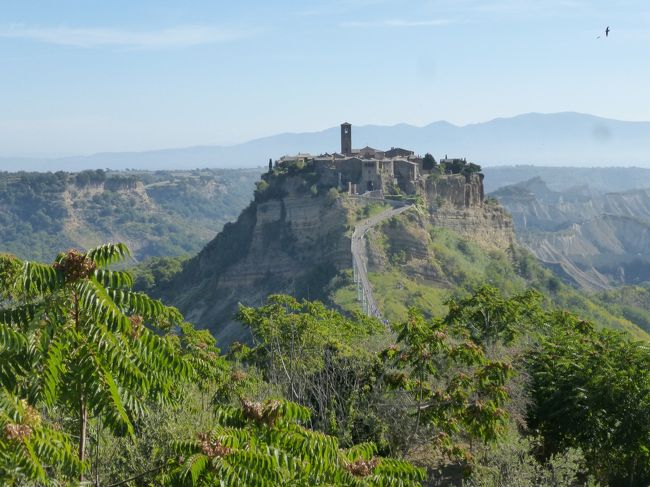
point(104, 384)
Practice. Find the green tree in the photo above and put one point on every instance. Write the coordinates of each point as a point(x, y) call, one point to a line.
point(428, 162)
point(266, 444)
point(488, 316)
point(215, 381)
point(82, 343)
point(512, 462)
point(319, 358)
point(455, 392)
point(591, 390)
point(9, 271)
point(30, 449)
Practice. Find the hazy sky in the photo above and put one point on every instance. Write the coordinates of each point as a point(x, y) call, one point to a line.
point(86, 76)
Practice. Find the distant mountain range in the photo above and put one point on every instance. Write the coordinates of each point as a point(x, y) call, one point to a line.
point(559, 139)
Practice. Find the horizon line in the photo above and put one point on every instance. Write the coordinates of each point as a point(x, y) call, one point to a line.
point(277, 134)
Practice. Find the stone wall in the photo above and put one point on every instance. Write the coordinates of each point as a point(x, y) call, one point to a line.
point(328, 171)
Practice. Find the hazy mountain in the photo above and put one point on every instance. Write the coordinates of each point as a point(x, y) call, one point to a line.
point(598, 179)
point(571, 139)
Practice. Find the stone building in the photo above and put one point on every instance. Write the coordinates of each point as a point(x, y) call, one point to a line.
point(398, 152)
point(346, 139)
point(370, 169)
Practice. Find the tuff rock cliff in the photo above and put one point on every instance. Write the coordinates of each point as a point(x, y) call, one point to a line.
point(295, 238)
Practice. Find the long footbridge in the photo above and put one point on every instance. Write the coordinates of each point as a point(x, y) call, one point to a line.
point(360, 258)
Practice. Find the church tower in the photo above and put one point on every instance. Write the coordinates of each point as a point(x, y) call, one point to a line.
point(346, 139)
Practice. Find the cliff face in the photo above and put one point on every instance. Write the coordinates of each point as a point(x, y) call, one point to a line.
point(595, 239)
point(454, 190)
point(290, 244)
point(454, 204)
point(457, 202)
point(295, 238)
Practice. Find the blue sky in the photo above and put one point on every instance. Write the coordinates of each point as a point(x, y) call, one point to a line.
point(87, 76)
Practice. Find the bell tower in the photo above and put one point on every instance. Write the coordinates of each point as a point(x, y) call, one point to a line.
point(346, 139)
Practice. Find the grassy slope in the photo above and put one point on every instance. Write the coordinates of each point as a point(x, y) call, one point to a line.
point(463, 265)
point(632, 302)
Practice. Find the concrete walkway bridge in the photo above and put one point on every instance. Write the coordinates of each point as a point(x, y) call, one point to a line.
point(360, 258)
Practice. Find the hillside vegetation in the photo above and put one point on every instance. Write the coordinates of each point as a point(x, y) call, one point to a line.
point(294, 238)
point(157, 213)
point(103, 385)
point(485, 370)
point(416, 264)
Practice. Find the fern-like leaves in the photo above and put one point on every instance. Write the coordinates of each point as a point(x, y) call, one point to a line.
point(266, 444)
point(30, 450)
point(82, 339)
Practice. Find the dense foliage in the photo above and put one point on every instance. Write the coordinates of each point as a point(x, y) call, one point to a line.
point(461, 265)
point(102, 383)
point(591, 389)
point(86, 364)
point(632, 302)
point(319, 358)
point(265, 444)
point(455, 391)
point(428, 162)
point(77, 340)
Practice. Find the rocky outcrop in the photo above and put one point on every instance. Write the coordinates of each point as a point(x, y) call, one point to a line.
point(295, 237)
point(455, 190)
point(291, 244)
point(408, 243)
point(457, 202)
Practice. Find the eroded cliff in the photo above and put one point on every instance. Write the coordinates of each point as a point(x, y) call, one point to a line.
point(593, 239)
point(291, 242)
point(295, 238)
point(158, 213)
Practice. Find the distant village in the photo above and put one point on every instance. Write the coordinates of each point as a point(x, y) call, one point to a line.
point(371, 170)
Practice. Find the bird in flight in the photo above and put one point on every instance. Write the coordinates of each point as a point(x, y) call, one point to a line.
point(607, 31)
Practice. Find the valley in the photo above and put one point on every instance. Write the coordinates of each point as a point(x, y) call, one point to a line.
point(161, 213)
point(295, 238)
point(592, 238)
point(338, 301)
point(295, 241)
point(333, 244)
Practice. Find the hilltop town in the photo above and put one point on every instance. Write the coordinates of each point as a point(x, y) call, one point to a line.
point(381, 173)
point(326, 224)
